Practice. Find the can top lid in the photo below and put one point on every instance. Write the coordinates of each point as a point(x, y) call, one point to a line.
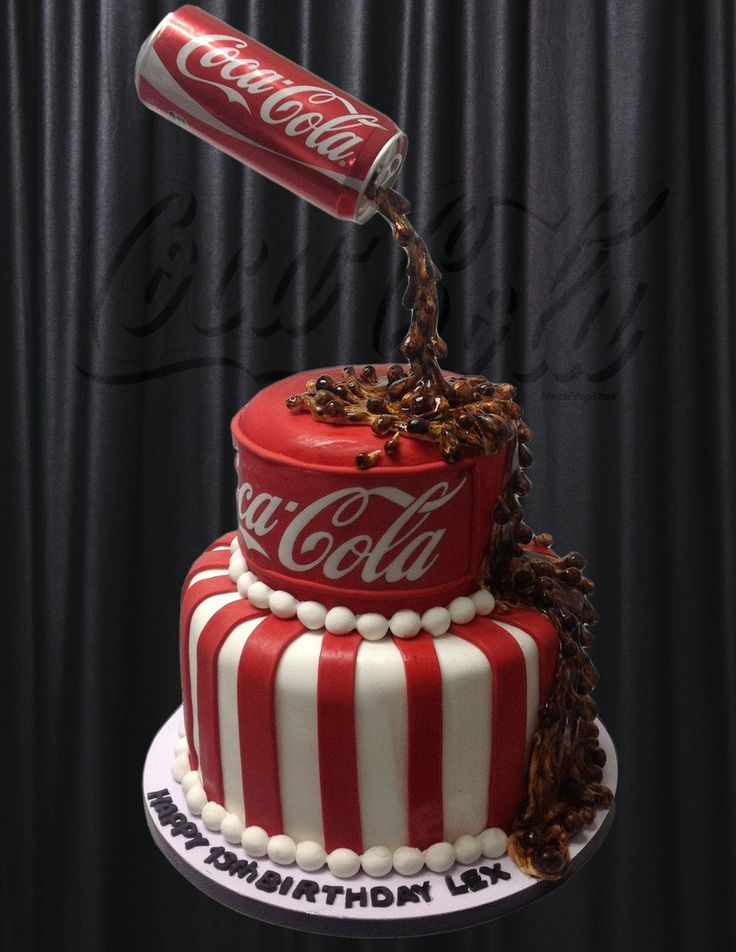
point(382, 174)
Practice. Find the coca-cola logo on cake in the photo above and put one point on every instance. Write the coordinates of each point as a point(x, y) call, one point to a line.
point(361, 533)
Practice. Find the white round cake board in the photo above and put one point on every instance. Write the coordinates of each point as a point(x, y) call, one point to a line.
point(390, 906)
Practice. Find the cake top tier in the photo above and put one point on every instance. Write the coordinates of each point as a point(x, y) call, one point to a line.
point(408, 533)
point(266, 423)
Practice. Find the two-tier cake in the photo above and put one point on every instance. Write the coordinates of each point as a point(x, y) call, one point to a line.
point(354, 695)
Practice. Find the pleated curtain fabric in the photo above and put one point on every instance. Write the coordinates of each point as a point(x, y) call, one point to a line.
point(571, 166)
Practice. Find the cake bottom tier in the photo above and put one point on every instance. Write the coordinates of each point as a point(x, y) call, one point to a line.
point(348, 746)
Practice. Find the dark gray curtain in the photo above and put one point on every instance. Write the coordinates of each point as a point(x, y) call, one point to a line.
point(571, 165)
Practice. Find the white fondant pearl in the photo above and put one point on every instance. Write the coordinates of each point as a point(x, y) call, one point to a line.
point(180, 767)
point(189, 780)
point(408, 860)
point(213, 814)
point(377, 861)
point(237, 566)
point(181, 746)
point(281, 849)
point(244, 583)
point(343, 862)
point(484, 602)
point(282, 604)
point(436, 621)
point(254, 840)
point(405, 624)
point(462, 610)
point(467, 848)
point(493, 842)
point(311, 615)
point(181, 729)
point(439, 857)
point(196, 799)
point(259, 594)
point(340, 621)
point(234, 544)
point(231, 828)
point(310, 856)
point(372, 626)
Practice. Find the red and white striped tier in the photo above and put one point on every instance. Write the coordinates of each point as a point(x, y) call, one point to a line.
point(352, 743)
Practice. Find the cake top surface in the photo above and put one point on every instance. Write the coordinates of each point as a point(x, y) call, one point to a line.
point(266, 422)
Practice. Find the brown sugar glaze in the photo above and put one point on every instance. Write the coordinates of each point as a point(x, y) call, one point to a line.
point(563, 784)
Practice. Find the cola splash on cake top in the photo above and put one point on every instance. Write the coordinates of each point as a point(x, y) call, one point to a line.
point(564, 777)
point(420, 402)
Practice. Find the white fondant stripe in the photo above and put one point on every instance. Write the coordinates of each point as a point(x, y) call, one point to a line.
point(206, 573)
point(296, 727)
point(381, 741)
point(531, 659)
point(227, 702)
point(466, 735)
point(202, 614)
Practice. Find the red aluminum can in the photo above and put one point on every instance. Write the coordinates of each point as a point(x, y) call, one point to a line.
point(267, 111)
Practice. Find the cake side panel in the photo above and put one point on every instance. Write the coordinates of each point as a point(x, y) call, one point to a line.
point(227, 706)
point(297, 740)
point(408, 532)
point(508, 717)
point(338, 749)
point(466, 735)
point(434, 731)
point(381, 733)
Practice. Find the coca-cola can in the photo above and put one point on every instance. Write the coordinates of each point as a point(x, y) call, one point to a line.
point(270, 113)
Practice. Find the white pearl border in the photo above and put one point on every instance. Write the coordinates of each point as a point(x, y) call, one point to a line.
point(372, 626)
point(310, 856)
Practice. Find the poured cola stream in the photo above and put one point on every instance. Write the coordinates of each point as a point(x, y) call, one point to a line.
point(566, 762)
point(421, 402)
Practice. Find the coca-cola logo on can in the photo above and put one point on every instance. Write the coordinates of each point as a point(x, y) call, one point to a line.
point(274, 115)
point(228, 63)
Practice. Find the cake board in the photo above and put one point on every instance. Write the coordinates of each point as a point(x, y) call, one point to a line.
point(363, 906)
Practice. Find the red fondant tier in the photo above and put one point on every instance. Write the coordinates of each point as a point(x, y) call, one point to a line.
point(353, 743)
point(408, 533)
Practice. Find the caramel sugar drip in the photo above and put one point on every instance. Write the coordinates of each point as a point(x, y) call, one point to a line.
point(563, 785)
point(417, 401)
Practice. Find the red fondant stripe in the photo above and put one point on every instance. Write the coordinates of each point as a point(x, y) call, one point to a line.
point(223, 540)
point(191, 598)
point(508, 717)
point(338, 757)
point(257, 720)
point(208, 560)
point(540, 628)
point(424, 748)
point(213, 637)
